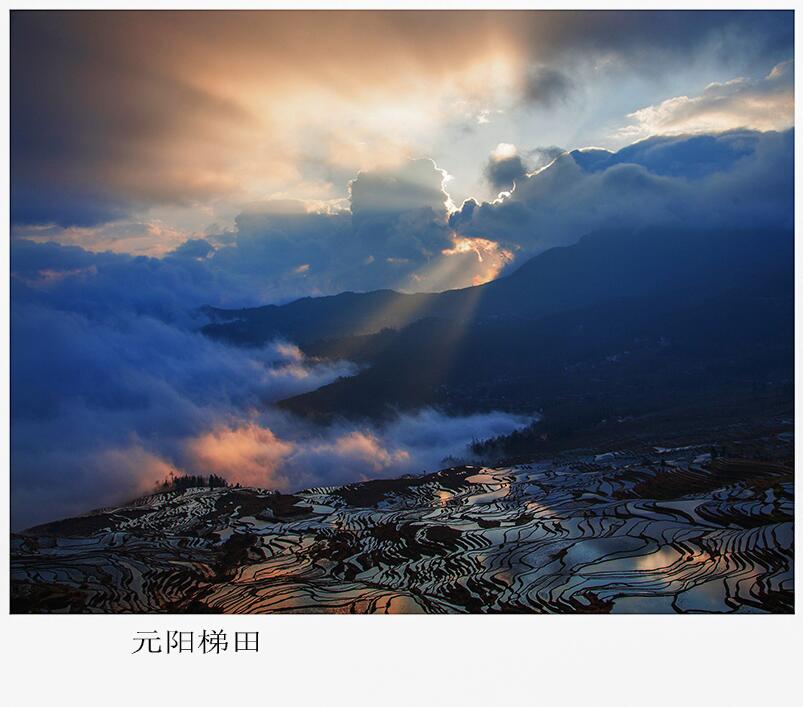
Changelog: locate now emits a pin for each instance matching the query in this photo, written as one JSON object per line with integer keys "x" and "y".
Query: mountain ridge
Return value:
{"x": 600, "y": 266}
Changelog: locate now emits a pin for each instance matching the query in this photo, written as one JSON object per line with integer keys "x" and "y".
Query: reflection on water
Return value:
{"x": 606, "y": 534}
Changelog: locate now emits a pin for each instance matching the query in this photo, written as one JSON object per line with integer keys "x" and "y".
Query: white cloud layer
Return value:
{"x": 763, "y": 104}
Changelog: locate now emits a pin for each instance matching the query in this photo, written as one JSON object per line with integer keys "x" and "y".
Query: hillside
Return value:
{"x": 602, "y": 267}
{"x": 680, "y": 528}
{"x": 619, "y": 324}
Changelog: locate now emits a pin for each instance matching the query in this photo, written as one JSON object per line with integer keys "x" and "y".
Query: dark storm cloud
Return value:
{"x": 99, "y": 128}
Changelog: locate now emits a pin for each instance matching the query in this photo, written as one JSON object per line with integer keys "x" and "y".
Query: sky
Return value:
{"x": 134, "y": 132}
{"x": 163, "y": 161}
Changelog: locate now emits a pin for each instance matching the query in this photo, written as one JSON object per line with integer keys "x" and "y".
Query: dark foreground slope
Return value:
{"x": 674, "y": 528}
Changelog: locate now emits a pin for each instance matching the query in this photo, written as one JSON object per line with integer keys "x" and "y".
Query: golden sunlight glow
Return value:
{"x": 491, "y": 257}
{"x": 249, "y": 454}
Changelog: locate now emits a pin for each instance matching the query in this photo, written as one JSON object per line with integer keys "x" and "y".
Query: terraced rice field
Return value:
{"x": 672, "y": 531}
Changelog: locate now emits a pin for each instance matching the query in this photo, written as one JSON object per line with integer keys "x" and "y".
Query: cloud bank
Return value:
{"x": 106, "y": 407}
{"x": 705, "y": 181}
{"x": 392, "y": 232}
{"x": 763, "y": 104}
{"x": 397, "y": 229}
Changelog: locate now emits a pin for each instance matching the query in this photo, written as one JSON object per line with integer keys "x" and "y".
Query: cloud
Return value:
{"x": 396, "y": 234}
{"x": 104, "y": 410}
{"x": 116, "y": 113}
{"x": 702, "y": 181}
{"x": 491, "y": 259}
{"x": 545, "y": 86}
{"x": 250, "y": 454}
{"x": 91, "y": 384}
{"x": 540, "y": 157}
{"x": 288, "y": 455}
{"x": 410, "y": 444}
{"x": 399, "y": 234}
{"x": 113, "y": 390}
{"x": 504, "y": 167}
{"x": 117, "y": 118}
{"x": 119, "y": 236}
{"x": 417, "y": 184}
{"x": 763, "y": 104}
{"x": 52, "y": 480}
{"x": 197, "y": 248}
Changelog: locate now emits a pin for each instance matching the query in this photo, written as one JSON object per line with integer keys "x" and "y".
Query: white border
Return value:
{"x": 402, "y": 660}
